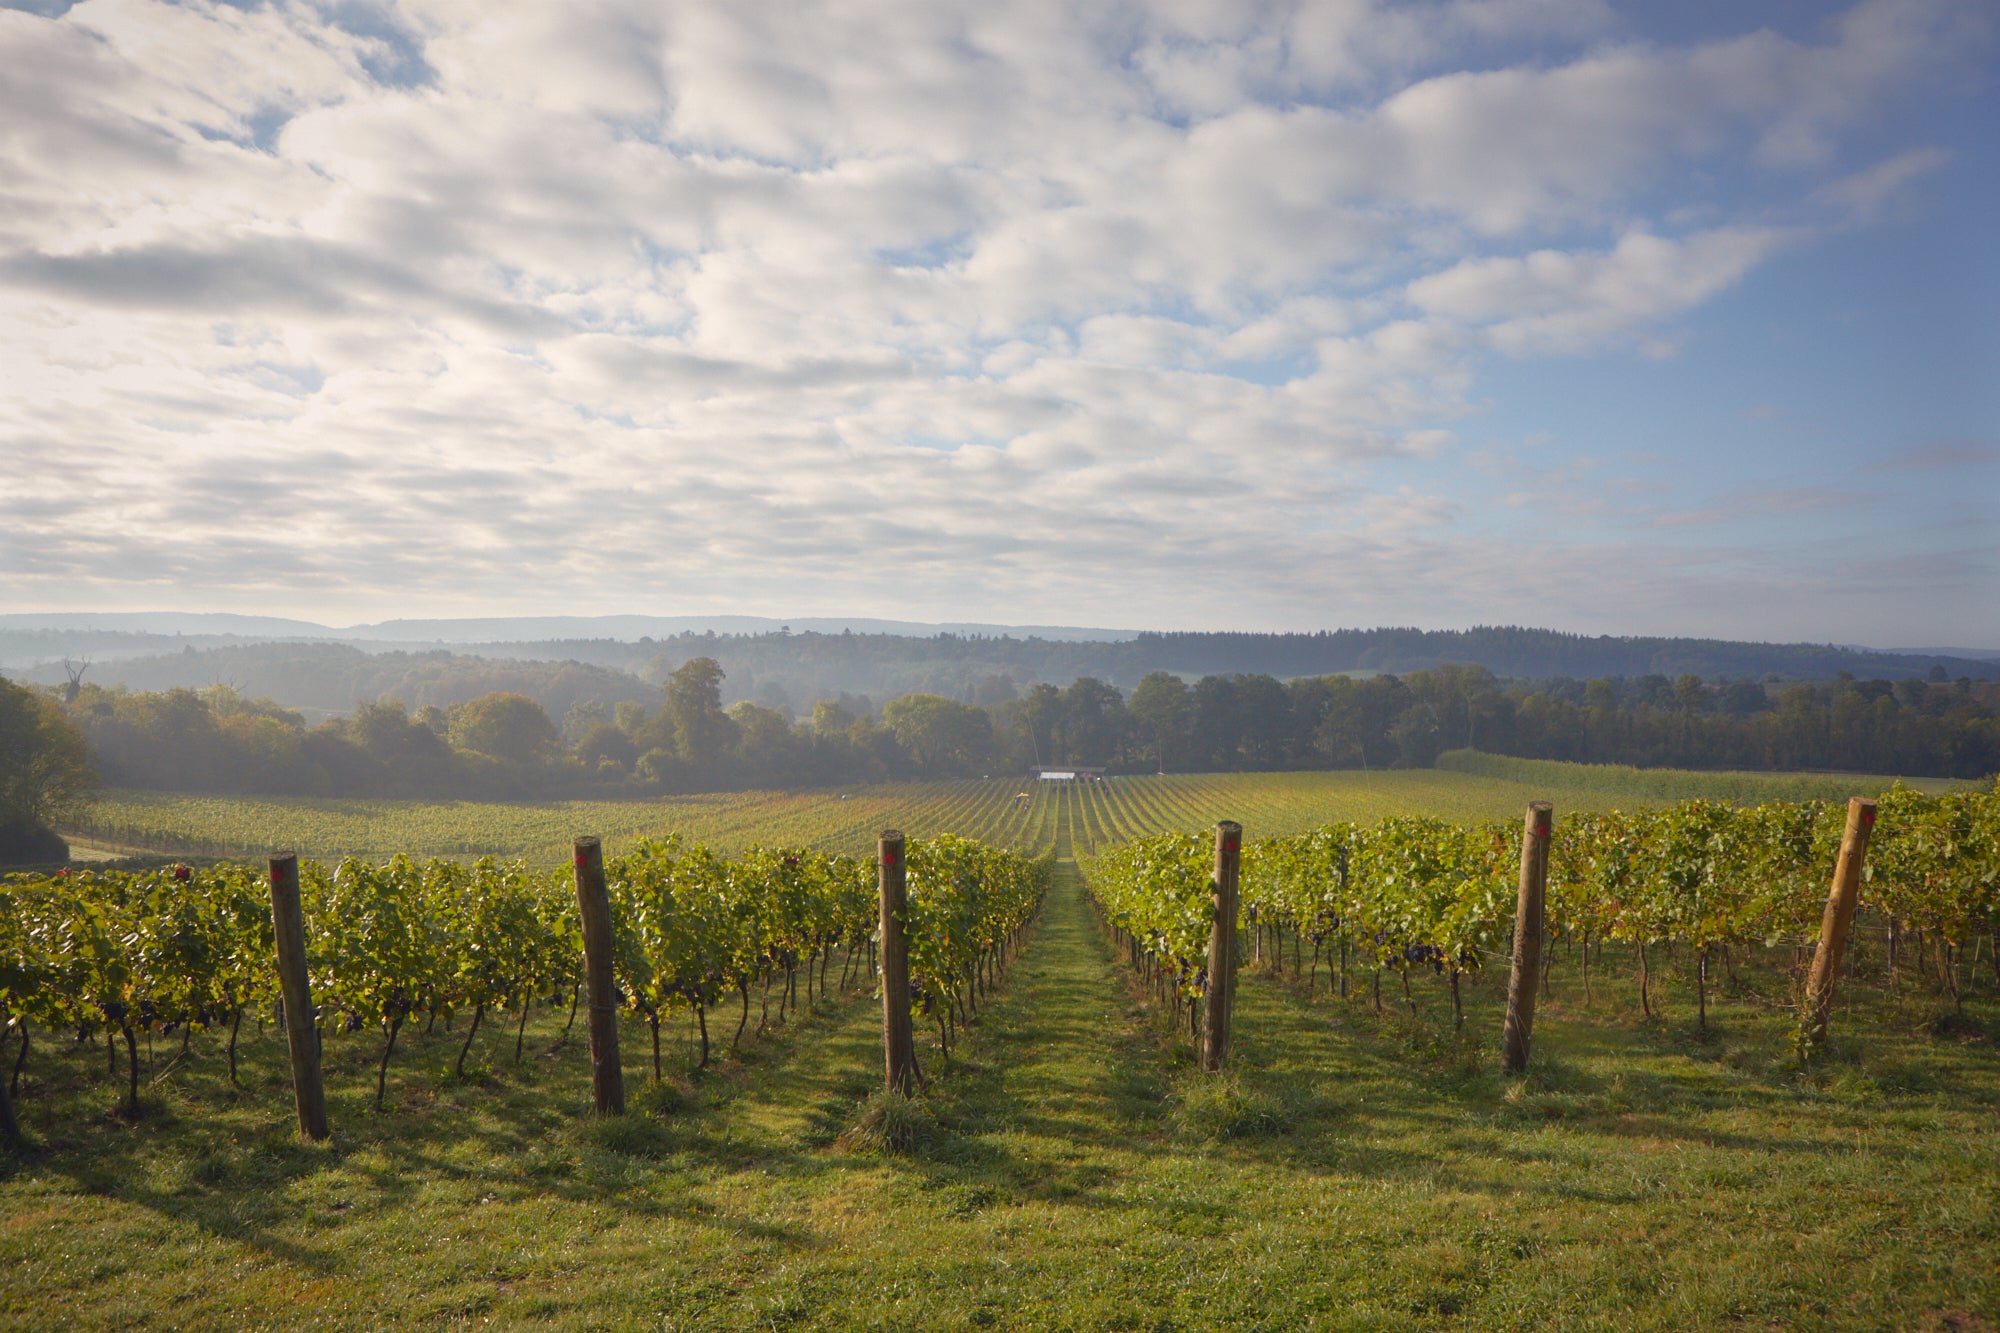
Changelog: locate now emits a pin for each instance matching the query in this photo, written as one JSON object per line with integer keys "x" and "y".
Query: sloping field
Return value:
{"x": 1008, "y": 812}
{"x": 834, "y": 820}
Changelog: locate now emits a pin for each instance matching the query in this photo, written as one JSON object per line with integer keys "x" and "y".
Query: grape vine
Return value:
{"x": 137, "y": 955}
{"x": 1414, "y": 892}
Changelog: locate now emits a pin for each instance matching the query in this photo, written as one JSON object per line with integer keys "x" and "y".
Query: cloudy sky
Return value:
{"x": 1610, "y": 316}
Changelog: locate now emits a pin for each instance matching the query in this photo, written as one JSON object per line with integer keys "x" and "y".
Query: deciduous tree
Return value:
{"x": 44, "y": 771}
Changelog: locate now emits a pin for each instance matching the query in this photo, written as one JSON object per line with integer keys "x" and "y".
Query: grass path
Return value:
{"x": 1365, "y": 1171}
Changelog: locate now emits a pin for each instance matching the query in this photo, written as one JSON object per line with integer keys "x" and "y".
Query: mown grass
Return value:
{"x": 1354, "y": 1170}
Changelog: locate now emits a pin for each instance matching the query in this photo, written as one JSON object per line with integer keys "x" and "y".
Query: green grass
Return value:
{"x": 847, "y": 820}
{"x": 1355, "y": 1170}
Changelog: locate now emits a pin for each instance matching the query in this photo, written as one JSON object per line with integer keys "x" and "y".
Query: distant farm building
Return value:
{"x": 1067, "y": 773}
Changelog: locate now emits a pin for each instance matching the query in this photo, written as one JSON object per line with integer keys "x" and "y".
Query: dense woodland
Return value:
{"x": 505, "y": 744}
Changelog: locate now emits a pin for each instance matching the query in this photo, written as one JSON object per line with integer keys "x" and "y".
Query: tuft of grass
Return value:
{"x": 674, "y": 1095}
{"x": 890, "y": 1123}
{"x": 1953, "y": 1024}
{"x": 1209, "y": 1108}
{"x": 637, "y": 1136}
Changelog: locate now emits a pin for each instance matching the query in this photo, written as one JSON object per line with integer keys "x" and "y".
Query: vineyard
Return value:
{"x": 1675, "y": 1157}
{"x": 830, "y": 821}
{"x": 1013, "y": 813}
{"x": 1419, "y": 894}
{"x": 181, "y": 951}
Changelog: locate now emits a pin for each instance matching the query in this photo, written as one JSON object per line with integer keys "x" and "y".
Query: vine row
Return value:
{"x": 1415, "y": 892}
{"x": 183, "y": 949}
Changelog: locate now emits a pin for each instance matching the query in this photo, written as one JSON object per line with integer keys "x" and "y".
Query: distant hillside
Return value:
{"x": 810, "y": 665}
{"x": 33, "y": 639}
{"x": 325, "y": 679}
{"x": 529, "y": 629}
{"x": 791, "y": 670}
{"x": 1538, "y": 654}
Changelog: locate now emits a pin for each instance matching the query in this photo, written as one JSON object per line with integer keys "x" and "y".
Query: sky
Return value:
{"x": 1611, "y": 317}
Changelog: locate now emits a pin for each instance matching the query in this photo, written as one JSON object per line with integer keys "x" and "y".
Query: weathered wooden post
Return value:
{"x": 1839, "y": 916}
{"x": 1528, "y": 912}
{"x": 10, "y": 1129}
{"x": 593, "y": 902}
{"x": 1222, "y": 946}
{"x": 899, "y": 1051}
{"x": 288, "y": 922}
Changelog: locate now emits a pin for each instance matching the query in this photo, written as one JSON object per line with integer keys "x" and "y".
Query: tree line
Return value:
{"x": 506, "y": 745}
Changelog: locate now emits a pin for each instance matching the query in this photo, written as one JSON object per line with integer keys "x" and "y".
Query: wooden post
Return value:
{"x": 1222, "y": 946}
{"x": 899, "y": 1052}
{"x": 1840, "y": 900}
{"x": 301, "y": 1028}
{"x": 10, "y": 1129}
{"x": 607, "y": 1075}
{"x": 1525, "y": 978}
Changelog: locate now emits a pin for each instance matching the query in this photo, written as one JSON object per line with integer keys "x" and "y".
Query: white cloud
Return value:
{"x": 725, "y": 287}
{"x": 1562, "y": 302}
{"x": 1878, "y": 190}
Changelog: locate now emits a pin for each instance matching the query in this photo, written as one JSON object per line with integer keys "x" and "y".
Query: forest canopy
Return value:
{"x": 504, "y": 744}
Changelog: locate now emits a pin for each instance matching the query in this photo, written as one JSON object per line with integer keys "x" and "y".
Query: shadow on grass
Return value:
{"x": 1596, "y": 1073}
{"x": 227, "y": 1161}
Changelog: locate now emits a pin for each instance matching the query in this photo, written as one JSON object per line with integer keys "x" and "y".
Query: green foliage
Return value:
{"x": 965, "y": 899}
{"x": 1935, "y": 865}
{"x": 505, "y": 726}
{"x": 942, "y": 735}
{"x": 371, "y": 948}
{"x": 44, "y": 773}
{"x": 1158, "y": 891}
{"x": 1416, "y": 889}
{"x": 700, "y": 729}
{"x": 181, "y": 946}
{"x": 508, "y": 928}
